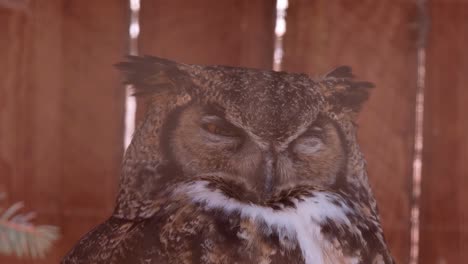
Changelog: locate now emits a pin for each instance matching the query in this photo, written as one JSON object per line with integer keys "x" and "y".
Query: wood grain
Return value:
{"x": 13, "y": 28}
{"x": 444, "y": 201}
{"x": 29, "y": 111}
{"x": 61, "y": 113}
{"x": 209, "y": 31}
{"x": 94, "y": 38}
{"x": 379, "y": 40}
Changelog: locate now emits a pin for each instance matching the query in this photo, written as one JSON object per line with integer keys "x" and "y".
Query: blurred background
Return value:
{"x": 65, "y": 118}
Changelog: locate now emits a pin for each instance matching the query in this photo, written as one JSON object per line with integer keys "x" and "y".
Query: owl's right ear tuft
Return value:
{"x": 151, "y": 75}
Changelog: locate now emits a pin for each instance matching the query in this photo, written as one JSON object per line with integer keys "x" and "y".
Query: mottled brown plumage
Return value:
{"x": 234, "y": 165}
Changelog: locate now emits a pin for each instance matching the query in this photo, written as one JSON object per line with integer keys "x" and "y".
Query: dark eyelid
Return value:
{"x": 316, "y": 129}
{"x": 221, "y": 122}
{"x": 311, "y": 132}
{"x": 215, "y": 110}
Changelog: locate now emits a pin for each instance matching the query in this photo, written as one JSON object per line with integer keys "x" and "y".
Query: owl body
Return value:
{"x": 234, "y": 165}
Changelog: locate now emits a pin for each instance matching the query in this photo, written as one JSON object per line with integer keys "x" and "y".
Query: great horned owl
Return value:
{"x": 234, "y": 165}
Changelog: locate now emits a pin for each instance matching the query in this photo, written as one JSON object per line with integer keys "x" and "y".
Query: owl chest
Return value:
{"x": 253, "y": 233}
{"x": 211, "y": 238}
{"x": 198, "y": 236}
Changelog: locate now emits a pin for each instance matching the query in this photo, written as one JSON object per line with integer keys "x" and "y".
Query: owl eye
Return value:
{"x": 218, "y": 126}
{"x": 310, "y": 142}
{"x": 308, "y": 146}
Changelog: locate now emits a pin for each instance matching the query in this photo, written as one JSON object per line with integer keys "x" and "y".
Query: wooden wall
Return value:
{"x": 61, "y": 110}
{"x": 62, "y": 105}
{"x": 444, "y": 203}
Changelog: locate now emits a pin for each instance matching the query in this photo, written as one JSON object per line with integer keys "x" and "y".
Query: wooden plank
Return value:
{"x": 232, "y": 32}
{"x": 209, "y": 31}
{"x": 42, "y": 182}
{"x": 13, "y": 27}
{"x": 30, "y": 116}
{"x": 94, "y": 37}
{"x": 61, "y": 112}
{"x": 378, "y": 39}
{"x": 444, "y": 201}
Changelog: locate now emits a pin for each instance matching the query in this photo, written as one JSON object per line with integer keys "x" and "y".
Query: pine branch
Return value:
{"x": 21, "y": 237}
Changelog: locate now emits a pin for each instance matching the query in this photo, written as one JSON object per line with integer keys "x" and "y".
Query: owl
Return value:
{"x": 236, "y": 165}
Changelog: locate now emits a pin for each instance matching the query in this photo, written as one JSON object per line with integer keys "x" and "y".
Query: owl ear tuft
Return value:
{"x": 152, "y": 74}
{"x": 346, "y": 94}
{"x": 340, "y": 72}
{"x": 353, "y": 96}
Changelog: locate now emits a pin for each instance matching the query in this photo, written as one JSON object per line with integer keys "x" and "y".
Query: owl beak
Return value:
{"x": 269, "y": 162}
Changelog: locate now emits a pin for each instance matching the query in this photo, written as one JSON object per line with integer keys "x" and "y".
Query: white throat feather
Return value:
{"x": 301, "y": 223}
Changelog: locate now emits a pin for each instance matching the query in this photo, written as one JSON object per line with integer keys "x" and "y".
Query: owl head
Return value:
{"x": 253, "y": 133}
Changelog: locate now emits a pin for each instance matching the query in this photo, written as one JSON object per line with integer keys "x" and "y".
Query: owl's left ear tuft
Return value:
{"x": 353, "y": 95}
{"x": 345, "y": 93}
{"x": 340, "y": 72}
{"x": 152, "y": 74}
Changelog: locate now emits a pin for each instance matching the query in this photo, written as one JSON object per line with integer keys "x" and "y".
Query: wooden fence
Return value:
{"x": 62, "y": 104}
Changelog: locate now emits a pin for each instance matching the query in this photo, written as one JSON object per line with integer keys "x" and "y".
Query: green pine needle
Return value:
{"x": 22, "y": 238}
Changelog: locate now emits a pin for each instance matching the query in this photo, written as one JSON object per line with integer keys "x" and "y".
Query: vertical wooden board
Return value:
{"x": 238, "y": 33}
{"x": 378, "y": 39}
{"x": 29, "y": 119}
{"x": 232, "y": 32}
{"x": 444, "y": 200}
{"x": 94, "y": 37}
{"x": 61, "y": 112}
{"x": 44, "y": 84}
{"x": 41, "y": 142}
{"x": 13, "y": 27}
